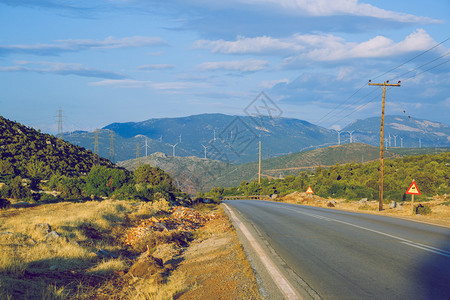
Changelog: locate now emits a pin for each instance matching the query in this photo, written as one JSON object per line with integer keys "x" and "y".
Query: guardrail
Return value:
{"x": 252, "y": 197}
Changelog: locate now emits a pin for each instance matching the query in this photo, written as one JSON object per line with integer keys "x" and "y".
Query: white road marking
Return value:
{"x": 404, "y": 241}
{"x": 280, "y": 280}
{"x": 428, "y": 248}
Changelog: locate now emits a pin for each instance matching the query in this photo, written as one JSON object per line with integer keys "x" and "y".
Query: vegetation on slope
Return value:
{"x": 33, "y": 165}
{"x": 355, "y": 180}
{"x": 32, "y": 154}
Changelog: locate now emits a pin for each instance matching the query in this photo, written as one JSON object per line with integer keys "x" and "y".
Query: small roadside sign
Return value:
{"x": 413, "y": 189}
{"x": 309, "y": 190}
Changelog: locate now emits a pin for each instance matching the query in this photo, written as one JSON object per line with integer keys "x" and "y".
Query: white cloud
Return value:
{"x": 336, "y": 7}
{"x": 45, "y": 67}
{"x": 61, "y": 46}
{"x": 156, "y": 67}
{"x": 249, "y": 65}
{"x": 268, "y": 84}
{"x": 319, "y": 47}
{"x": 258, "y": 45}
{"x": 130, "y": 83}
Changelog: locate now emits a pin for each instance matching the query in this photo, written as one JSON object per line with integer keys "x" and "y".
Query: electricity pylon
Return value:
{"x": 60, "y": 123}
{"x": 96, "y": 148}
{"x": 384, "y": 85}
{"x": 111, "y": 147}
{"x": 138, "y": 157}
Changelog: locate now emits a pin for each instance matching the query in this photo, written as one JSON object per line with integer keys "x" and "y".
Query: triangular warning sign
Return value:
{"x": 413, "y": 189}
{"x": 309, "y": 190}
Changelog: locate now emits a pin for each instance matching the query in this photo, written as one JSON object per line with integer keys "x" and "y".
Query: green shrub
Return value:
{"x": 49, "y": 198}
{"x": 423, "y": 210}
{"x": 4, "y": 204}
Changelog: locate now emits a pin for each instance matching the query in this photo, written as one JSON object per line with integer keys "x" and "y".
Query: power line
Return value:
{"x": 426, "y": 51}
{"x": 427, "y": 70}
{"x": 321, "y": 120}
{"x": 442, "y": 56}
{"x": 345, "y": 101}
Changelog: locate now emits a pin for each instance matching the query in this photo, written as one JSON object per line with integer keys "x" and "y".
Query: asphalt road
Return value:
{"x": 333, "y": 254}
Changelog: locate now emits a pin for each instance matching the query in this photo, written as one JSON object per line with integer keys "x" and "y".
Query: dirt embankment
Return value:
{"x": 122, "y": 250}
{"x": 204, "y": 259}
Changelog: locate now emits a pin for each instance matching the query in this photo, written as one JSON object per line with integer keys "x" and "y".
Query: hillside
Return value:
{"x": 354, "y": 181}
{"x": 30, "y": 153}
{"x": 191, "y": 174}
{"x": 194, "y": 174}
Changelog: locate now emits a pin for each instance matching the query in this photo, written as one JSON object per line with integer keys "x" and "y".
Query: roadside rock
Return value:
{"x": 43, "y": 228}
{"x": 101, "y": 253}
{"x": 146, "y": 266}
{"x": 52, "y": 236}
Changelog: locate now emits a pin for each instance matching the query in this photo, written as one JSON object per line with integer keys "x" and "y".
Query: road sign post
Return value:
{"x": 413, "y": 190}
{"x": 309, "y": 191}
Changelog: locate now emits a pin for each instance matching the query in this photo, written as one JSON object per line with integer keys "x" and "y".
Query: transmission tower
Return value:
{"x": 111, "y": 147}
{"x": 138, "y": 157}
{"x": 96, "y": 148}
{"x": 384, "y": 85}
{"x": 60, "y": 123}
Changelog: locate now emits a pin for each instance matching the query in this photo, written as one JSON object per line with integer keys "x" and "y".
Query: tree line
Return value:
{"x": 354, "y": 181}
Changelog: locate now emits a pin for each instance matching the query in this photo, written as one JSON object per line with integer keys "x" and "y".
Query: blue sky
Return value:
{"x": 110, "y": 61}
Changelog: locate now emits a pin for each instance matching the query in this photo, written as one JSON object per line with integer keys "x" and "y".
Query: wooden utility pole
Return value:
{"x": 259, "y": 168}
{"x": 384, "y": 85}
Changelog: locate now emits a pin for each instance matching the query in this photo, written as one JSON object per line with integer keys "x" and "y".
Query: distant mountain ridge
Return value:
{"x": 398, "y": 131}
{"x": 233, "y": 139}
{"x": 188, "y": 136}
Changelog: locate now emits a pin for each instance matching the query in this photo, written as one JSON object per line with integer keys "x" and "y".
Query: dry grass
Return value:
{"x": 68, "y": 268}
{"x": 31, "y": 267}
{"x": 145, "y": 290}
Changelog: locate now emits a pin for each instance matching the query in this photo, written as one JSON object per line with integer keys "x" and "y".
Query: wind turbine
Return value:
{"x": 205, "y": 148}
{"x": 395, "y": 140}
{"x": 351, "y": 137}
{"x": 339, "y": 136}
{"x": 146, "y": 146}
{"x": 173, "y": 150}
{"x": 401, "y": 142}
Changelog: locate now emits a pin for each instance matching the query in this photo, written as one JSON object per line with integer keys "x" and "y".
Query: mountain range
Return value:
{"x": 234, "y": 139}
